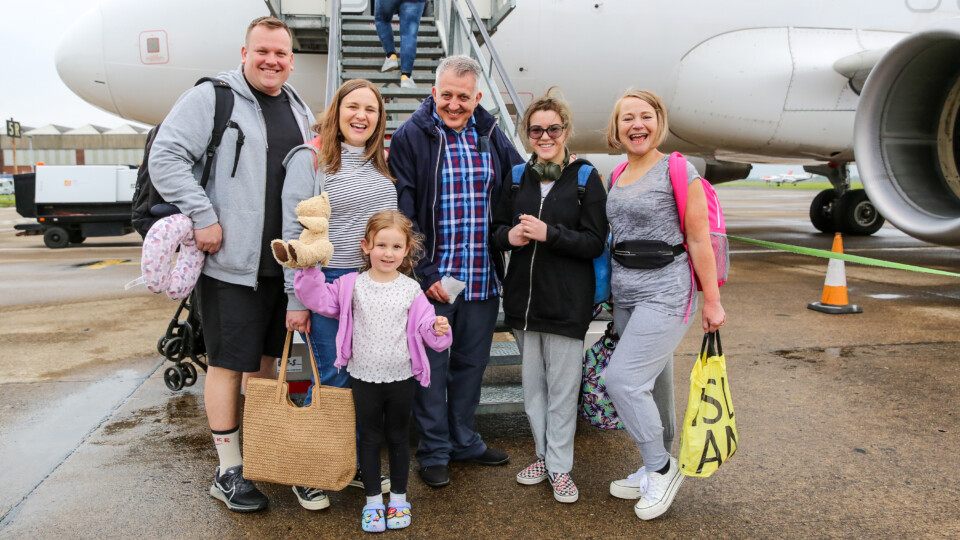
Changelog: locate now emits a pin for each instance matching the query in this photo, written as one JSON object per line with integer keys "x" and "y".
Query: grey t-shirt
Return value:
{"x": 647, "y": 210}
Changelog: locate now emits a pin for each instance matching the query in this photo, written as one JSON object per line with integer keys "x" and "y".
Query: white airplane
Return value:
{"x": 875, "y": 80}
{"x": 790, "y": 178}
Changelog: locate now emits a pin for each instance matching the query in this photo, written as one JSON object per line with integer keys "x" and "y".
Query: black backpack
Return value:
{"x": 148, "y": 205}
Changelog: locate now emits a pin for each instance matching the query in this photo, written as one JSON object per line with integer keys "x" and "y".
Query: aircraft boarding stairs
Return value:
{"x": 354, "y": 51}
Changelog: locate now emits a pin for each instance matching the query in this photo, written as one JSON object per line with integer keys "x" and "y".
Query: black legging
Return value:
{"x": 383, "y": 411}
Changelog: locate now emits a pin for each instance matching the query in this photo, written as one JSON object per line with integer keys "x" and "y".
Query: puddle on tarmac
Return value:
{"x": 814, "y": 355}
{"x": 886, "y": 296}
{"x": 181, "y": 406}
{"x": 38, "y": 444}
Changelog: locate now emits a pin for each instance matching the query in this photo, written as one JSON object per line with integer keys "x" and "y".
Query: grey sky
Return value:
{"x": 32, "y": 92}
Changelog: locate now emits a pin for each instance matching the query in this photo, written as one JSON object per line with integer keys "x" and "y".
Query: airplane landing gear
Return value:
{"x": 858, "y": 215}
{"x": 822, "y": 211}
{"x": 842, "y": 209}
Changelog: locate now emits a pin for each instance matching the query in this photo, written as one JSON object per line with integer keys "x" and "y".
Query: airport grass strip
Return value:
{"x": 841, "y": 256}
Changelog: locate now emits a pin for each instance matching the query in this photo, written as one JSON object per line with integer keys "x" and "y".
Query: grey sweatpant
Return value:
{"x": 639, "y": 378}
{"x": 552, "y": 370}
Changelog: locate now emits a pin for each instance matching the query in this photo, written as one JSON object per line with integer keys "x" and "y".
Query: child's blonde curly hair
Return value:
{"x": 392, "y": 219}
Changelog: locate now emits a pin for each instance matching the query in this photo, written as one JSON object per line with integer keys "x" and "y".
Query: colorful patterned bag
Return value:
{"x": 595, "y": 405}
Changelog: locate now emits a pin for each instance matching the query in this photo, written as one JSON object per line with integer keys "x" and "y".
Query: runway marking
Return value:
{"x": 45, "y": 249}
{"x": 97, "y": 265}
{"x": 861, "y": 250}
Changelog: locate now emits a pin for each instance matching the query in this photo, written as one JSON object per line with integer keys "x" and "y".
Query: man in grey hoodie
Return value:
{"x": 241, "y": 298}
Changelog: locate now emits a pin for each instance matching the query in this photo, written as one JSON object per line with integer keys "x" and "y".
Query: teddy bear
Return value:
{"x": 314, "y": 244}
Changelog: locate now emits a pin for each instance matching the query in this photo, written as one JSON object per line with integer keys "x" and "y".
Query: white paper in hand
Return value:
{"x": 452, "y": 287}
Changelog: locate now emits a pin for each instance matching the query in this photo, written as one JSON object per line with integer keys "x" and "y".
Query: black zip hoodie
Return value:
{"x": 549, "y": 285}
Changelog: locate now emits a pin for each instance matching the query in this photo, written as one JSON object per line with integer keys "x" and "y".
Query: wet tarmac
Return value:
{"x": 848, "y": 424}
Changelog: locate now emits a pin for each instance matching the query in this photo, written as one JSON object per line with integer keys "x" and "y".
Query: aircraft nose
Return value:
{"x": 79, "y": 60}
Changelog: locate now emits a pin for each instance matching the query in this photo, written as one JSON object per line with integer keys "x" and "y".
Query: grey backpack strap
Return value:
{"x": 319, "y": 182}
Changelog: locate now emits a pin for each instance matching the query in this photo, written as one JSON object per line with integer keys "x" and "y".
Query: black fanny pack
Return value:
{"x": 645, "y": 254}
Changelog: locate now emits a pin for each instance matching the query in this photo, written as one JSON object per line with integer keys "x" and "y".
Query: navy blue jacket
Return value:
{"x": 416, "y": 161}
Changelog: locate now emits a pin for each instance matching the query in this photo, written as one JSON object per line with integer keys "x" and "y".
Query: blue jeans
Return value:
{"x": 410, "y": 13}
{"x": 323, "y": 337}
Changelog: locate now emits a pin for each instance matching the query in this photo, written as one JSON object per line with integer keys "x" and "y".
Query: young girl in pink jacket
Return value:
{"x": 385, "y": 323}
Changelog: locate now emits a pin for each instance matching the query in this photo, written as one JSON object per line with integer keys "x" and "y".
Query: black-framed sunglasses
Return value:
{"x": 554, "y": 131}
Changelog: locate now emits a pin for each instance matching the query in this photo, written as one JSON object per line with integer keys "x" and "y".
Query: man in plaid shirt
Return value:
{"x": 450, "y": 159}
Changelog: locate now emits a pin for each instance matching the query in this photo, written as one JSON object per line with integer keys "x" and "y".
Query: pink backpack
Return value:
{"x": 718, "y": 227}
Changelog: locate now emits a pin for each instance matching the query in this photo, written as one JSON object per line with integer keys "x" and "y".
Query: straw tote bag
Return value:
{"x": 313, "y": 446}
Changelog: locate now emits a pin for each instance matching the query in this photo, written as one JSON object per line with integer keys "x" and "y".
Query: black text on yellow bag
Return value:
{"x": 313, "y": 446}
{"x": 709, "y": 435}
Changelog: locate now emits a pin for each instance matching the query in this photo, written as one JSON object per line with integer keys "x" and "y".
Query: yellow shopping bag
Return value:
{"x": 709, "y": 435}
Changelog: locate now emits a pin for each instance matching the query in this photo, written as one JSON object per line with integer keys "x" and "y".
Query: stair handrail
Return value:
{"x": 275, "y": 7}
{"x": 333, "y": 53}
{"x": 453, "y": 18}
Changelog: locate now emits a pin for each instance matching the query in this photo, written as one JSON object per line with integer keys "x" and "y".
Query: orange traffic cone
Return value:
{"x": 834, "y": 299}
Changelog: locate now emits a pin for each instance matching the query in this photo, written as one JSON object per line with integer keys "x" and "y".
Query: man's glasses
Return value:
{"x": 554, "y": 131}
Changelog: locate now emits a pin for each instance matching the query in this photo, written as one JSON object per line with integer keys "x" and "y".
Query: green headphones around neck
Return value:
{"x": 549, "y": 171}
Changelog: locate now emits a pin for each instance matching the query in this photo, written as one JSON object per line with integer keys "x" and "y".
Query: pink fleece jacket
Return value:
{"x": 335, "y": 300}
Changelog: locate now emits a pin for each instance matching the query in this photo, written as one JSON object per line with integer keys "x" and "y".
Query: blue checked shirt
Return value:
{"x": 464, "y": 225}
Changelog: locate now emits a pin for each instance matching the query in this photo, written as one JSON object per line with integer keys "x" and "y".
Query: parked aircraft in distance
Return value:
{"x": 790, "y": 178}
{"x": 873, "y": 80}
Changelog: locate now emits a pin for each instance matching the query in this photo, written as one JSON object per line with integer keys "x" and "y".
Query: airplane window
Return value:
{"x": 153, "y": 45}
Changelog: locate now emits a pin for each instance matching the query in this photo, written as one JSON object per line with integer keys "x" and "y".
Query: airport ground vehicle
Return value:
{"x": 74, "y": 202}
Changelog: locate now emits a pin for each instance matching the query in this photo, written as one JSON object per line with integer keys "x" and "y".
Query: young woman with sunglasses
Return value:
{"x": 653, "y": 293}
{"x": 553, "y": 233}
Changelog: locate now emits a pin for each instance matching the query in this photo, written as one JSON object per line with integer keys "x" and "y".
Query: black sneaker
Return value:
{"x": 435, "y": 475}
{"x": 311, "y": 498}
{"x": 238, "y": 493}
{"x": 491, "y": 457}
{"x": 357, "y": 482}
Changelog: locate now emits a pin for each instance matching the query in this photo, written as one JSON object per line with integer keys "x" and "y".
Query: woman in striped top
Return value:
{"x": 351, "y": 167}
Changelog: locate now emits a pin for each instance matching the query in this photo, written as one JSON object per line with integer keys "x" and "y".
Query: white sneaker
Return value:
{"x": 659, "y": 493}
{"x": 390, "y": 63}
{"x": 407, "y": 83}
{"x": 630, "y": 487}
{"x": 357, "y": 482}
{"x": 311, "y": 498}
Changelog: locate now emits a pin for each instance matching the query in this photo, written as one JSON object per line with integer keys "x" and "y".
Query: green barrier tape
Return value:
{"x": 841, "y": 256}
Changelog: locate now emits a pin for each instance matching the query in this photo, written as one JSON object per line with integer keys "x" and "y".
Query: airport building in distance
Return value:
{"x": 85, "y": 145}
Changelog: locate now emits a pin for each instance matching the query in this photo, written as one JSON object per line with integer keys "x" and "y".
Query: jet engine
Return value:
{"x": 907, "y": 134}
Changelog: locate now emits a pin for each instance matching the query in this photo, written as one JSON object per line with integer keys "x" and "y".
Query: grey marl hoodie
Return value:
{"x": 236, "y": 202}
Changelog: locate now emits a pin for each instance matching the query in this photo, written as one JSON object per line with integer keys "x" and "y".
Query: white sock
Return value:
{"x": 375, "y": 499}
{"x": 398, "y": 497}
{"x": 228, "y": 448}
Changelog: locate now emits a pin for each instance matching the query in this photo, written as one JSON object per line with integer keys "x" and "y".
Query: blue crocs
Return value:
{"x": 372, "y": 518}
{"x": 398, "y": 515}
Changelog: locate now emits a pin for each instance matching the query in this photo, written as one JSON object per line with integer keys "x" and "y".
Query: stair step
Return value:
{"x": 401, "y": 108}
{"x": 501, "y": 326}
{"x": 405, "y": 93}
{"x": 375, "y": 63}
{"x": 365, "y": 29}
{"x": 423, "y": 78}
{"x": 374, "y": 41}
{"x": 500, "y": 399}
{"x": 349, "y": 19}
{"x": 377, "y": 52}
{"x": 504, "y": 353}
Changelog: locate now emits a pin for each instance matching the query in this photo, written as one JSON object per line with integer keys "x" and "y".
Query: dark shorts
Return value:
{"x": 241, "y": 324}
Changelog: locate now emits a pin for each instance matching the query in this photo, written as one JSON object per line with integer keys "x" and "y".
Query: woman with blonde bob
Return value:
{"x": 553, "y": 230}
{"x": 652, "y": 292}
{"x": 347, "y": 161}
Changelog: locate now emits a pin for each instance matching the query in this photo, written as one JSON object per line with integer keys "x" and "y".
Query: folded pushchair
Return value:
{"x": 183, "y": 345}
